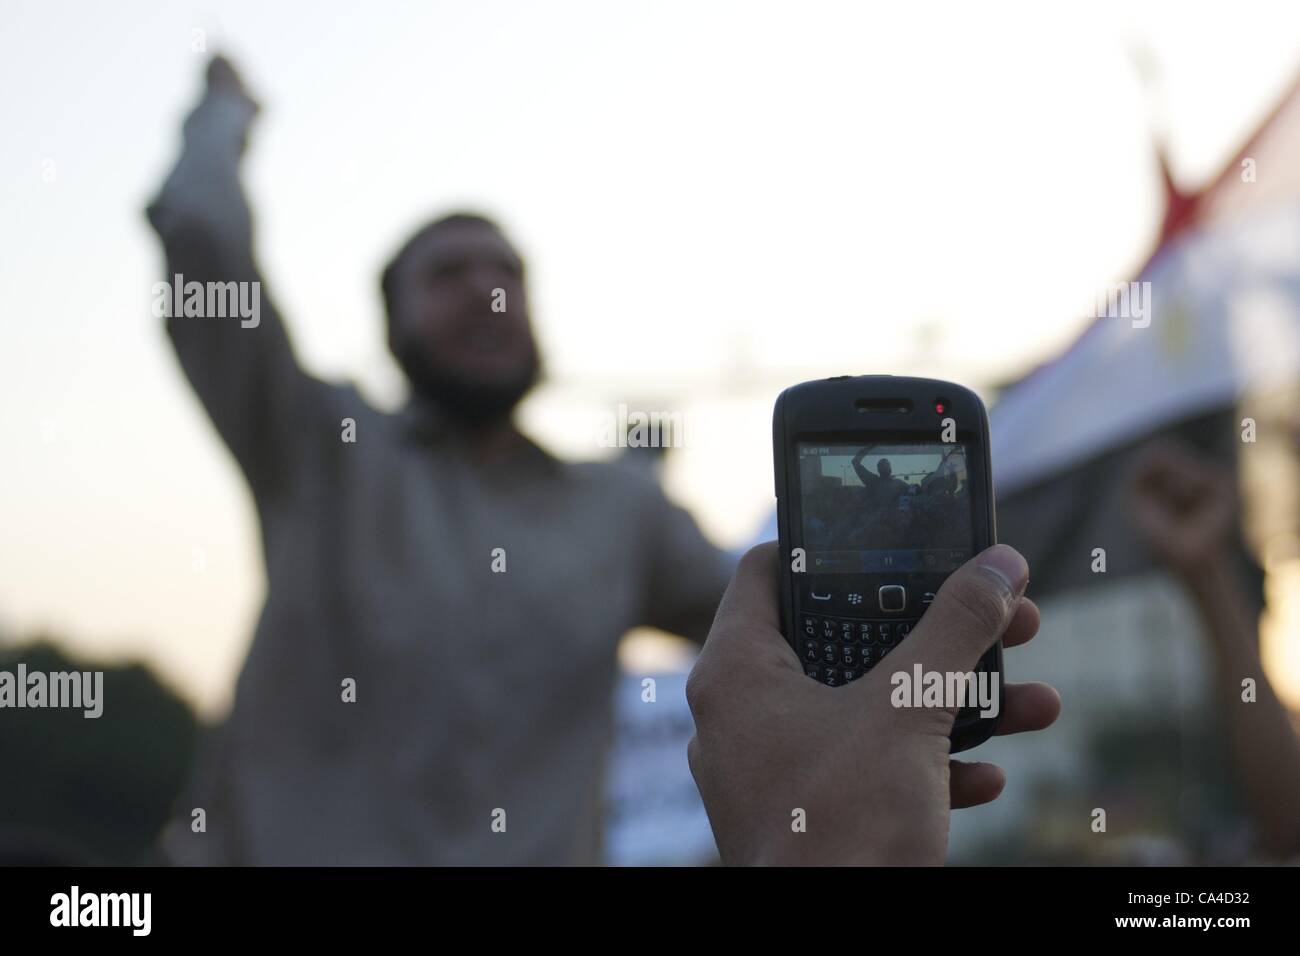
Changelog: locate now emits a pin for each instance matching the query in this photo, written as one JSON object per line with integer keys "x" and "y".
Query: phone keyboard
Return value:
{"x": 837, "y": 650}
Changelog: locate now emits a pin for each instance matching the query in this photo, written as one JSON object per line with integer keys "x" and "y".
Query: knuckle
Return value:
{"x": 698, "y": 691}
{"x": 981, "y": 600}
{"x": 932, "y": 721}
{"x": 759, "y": 556}
{"x": 757, "y": 562}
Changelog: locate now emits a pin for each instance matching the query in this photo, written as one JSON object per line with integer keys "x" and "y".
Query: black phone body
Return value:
{"x": 885, "y": 483}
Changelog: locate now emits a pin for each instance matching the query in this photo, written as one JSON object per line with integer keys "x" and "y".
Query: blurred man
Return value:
{"x": 884, "y": 489}
{"x": 430, "y": 679}
{"x": 943, "y": 480}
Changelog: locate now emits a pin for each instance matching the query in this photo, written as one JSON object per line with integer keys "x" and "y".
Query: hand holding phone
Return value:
{"x": 884, "y": 488}
{"x": 794, "y": 772}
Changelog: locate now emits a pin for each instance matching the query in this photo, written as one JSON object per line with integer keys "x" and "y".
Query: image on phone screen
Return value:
{"x": 885, "y": 508}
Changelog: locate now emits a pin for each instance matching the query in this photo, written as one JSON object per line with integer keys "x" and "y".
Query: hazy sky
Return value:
{"x": 716, "y": 200}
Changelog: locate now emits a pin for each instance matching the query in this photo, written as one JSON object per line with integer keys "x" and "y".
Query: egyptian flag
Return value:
{"x": 1206, "y": 335}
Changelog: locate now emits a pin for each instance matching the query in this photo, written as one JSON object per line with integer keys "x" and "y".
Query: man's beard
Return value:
{"x": 472, "y": 403}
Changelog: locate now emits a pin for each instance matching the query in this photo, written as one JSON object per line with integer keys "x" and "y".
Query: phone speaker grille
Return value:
{"x": 883, "y": 406}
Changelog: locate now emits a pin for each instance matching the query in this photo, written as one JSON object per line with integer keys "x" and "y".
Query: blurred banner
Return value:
{"x": 654, "y": 815}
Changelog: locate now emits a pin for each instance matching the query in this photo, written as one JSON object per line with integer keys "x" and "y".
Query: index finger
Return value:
{"x": 748, "y": 617}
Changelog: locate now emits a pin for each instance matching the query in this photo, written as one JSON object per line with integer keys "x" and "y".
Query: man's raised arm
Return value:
{"x": 864, "y": 474}
{"x": 227, "y": 334}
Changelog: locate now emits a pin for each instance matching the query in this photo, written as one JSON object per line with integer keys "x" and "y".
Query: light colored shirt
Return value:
{"x": 483, "y": 698}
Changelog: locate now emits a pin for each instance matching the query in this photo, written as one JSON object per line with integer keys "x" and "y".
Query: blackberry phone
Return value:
{"x": 884, "y": 487}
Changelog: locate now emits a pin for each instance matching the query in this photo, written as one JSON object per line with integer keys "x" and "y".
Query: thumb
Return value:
{"x": 969, "y": 614}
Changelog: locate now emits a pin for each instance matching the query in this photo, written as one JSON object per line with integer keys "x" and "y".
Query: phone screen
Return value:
{"x": 885, "y": 508}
